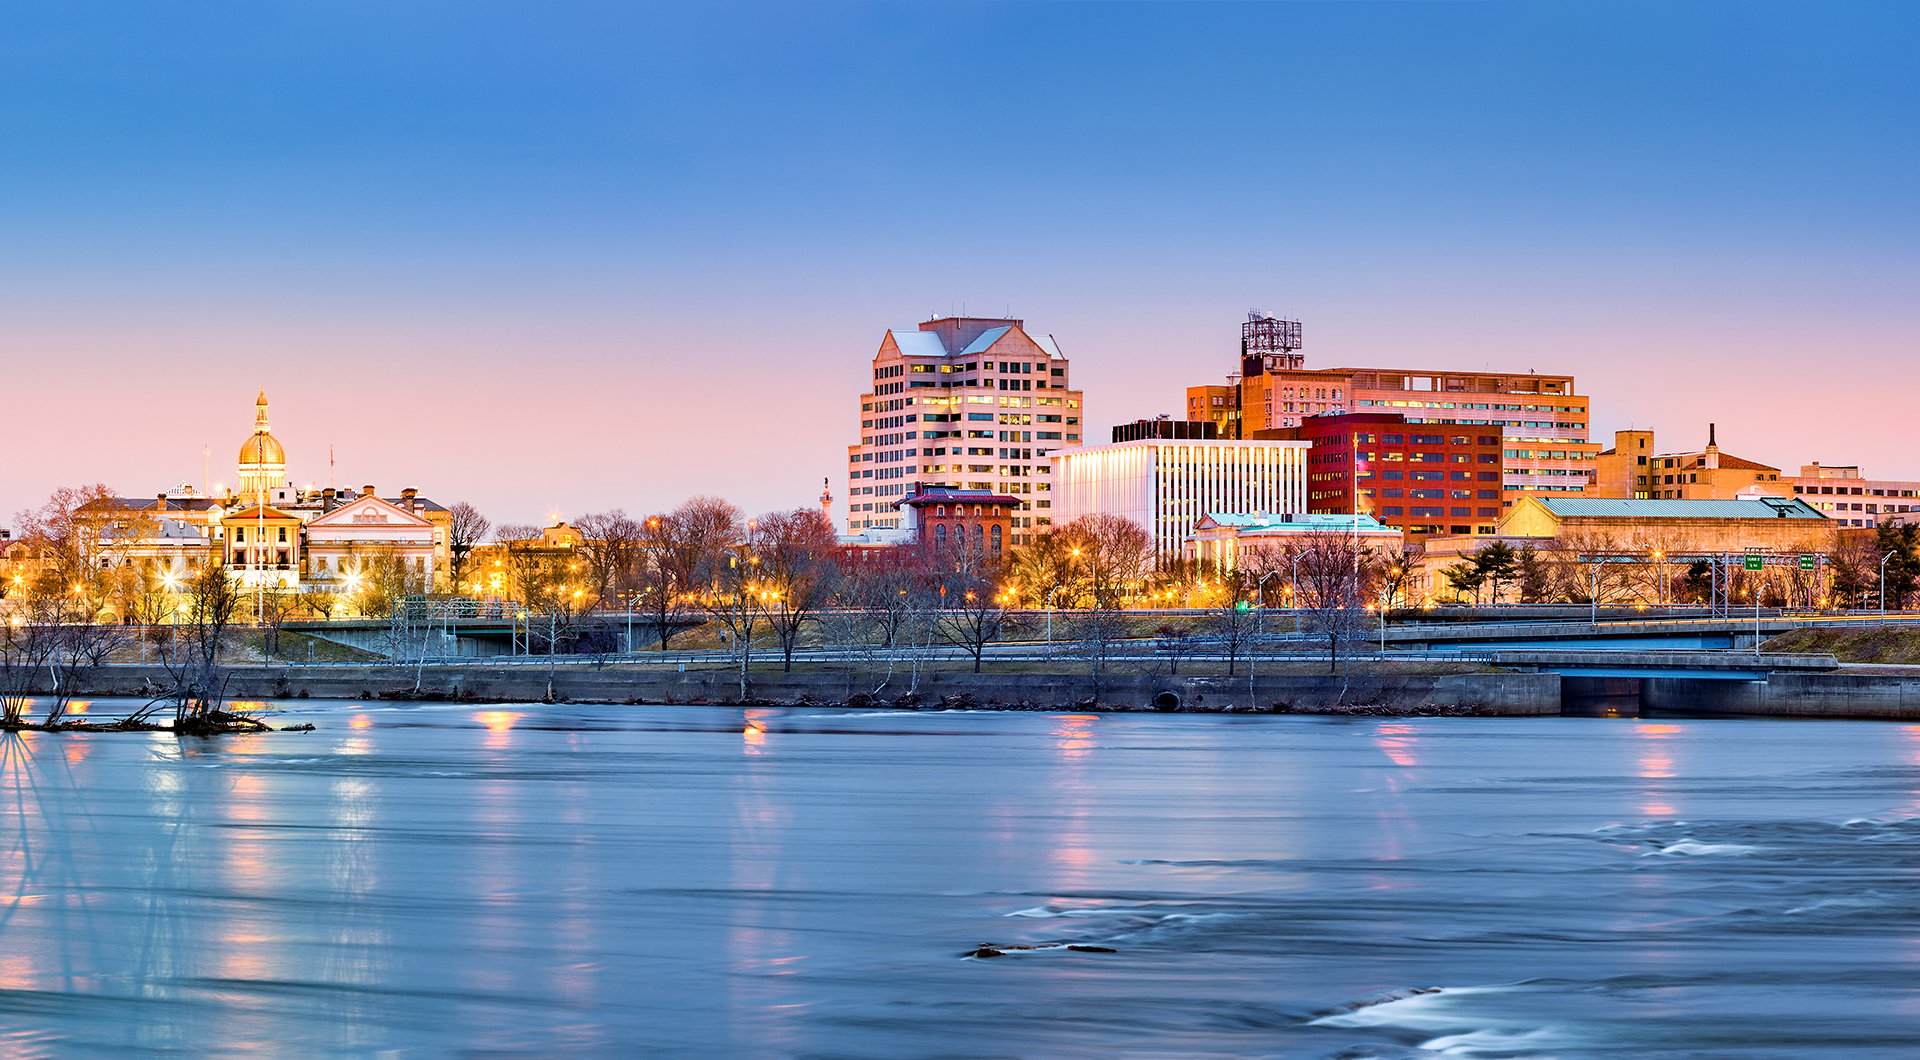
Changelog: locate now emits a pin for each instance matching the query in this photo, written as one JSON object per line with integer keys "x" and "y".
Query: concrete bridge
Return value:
{"x": 1697, "y": 632}
{"x": 479, "y": 638}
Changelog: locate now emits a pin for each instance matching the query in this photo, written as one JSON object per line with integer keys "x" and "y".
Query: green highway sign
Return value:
{"x": 1756, "y": 562}
{"x": 1806, "y": 562}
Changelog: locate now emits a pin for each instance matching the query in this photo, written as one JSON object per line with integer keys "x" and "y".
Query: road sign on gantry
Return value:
{"x": 1756, "y": 562}
{"x": 1806, "y": 562}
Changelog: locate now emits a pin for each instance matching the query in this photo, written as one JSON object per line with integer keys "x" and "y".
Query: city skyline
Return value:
{"x": 476, "y": 252}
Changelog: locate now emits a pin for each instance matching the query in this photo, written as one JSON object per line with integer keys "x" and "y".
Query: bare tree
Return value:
{"x": 277, "y": 607}
{"x": 971, "y": 611}
{"x": 695, "y": 540}
{"x": 194, "y": 661}
{"x": 882, "y": 607}
{"x": 1395, "y": 569}
{"x": 1112, "y": 553}
{"x": 143, "y": 593}
{"x": 466, "y": 527}
{"x": 734, "y": 601}
{"x": 1043, "y": 572}
{"x": 70, "y": 530}
{"x": 612, "y": 546}
{"x": 320, "y": 602}
{"x": 1231, "y": 627}
{"x": 531, "y": 573}
{"x": 1332, "y": 592}
{"x": 1852, "y": 574}
{"x": 1096, "y": 631}
{"x": 799, "y": 569}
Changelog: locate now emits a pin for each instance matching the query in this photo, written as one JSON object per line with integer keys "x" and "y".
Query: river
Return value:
{"x": 704, "y": 881}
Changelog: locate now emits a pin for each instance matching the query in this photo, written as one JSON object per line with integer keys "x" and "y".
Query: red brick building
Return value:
{"x": 1421, "y": 478}
{"x": 941, "y": 518}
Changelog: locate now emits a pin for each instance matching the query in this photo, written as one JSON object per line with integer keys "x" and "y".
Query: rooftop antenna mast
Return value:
{"x": 1269, "y": 343}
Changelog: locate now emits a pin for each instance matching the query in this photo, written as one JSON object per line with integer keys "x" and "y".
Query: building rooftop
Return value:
{"x": 1728, "y": 461}
{"x": 950, "y": 494}
{"x": 1603, "y": 507}
{"x": 1293, "y": 521}
{"x": 986, "y": 339}
{"x": 918, "y": 343}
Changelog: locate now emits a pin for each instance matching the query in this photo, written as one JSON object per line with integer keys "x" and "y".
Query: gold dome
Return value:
{"x": 262, "y": 448}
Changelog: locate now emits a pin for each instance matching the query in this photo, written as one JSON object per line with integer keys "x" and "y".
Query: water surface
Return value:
{"x": 434, "y": 879}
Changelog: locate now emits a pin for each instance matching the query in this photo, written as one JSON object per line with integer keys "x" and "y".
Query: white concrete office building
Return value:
{"x": 1166, "y": 485}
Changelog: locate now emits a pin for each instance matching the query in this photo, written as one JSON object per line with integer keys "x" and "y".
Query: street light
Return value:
{"x": 1260, "y": 593}
{"x": 1883, "y": 584}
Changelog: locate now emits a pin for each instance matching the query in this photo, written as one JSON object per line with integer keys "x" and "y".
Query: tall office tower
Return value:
{"x": 965, "y": 402}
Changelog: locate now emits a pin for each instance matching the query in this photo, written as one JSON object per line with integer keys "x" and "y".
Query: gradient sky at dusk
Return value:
{"x": 566, "y": 257}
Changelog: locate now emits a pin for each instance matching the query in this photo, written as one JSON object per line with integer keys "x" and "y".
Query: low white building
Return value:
{"x": 1167, "y": 485}
{"x": 1220, "y": 538}
{"x": 339, "y": 541}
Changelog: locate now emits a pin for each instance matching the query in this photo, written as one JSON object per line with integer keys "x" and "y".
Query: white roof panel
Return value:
{"x": 987, "y": 338}
{"x": 918, "y": 343}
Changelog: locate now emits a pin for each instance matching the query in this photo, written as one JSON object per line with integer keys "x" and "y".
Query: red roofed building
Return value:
{"x": 943, "y": 518}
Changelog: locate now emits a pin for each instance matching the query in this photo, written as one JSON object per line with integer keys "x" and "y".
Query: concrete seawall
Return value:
{"x": 1792, "y": 695}
{"x": 1509, "y": 694}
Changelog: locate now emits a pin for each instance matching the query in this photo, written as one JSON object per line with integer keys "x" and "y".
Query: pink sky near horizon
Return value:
{"x": 641, "y": 415}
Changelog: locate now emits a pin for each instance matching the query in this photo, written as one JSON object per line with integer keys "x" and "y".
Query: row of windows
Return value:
{"x": 1856, "y": 491}
{"x": 1430, "y": 512}
{"x": 1425, "y": 439}
{"x": 1576, "y": 409}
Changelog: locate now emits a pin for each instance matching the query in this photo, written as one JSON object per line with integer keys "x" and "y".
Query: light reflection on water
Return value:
{"x": 547, "y": 880}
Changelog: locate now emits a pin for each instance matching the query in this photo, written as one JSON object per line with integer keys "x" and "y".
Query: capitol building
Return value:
{"x": 271, "y": 534}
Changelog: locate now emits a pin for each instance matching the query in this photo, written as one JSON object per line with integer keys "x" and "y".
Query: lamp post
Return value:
{"x": 1293, "y": 590}
{"x": 1260, "y": 593}
{"x": 1595, "y": 620}
{"x": 1883, "y": 585}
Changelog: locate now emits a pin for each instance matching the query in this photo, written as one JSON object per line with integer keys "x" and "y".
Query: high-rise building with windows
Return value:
{"x": 1541, "y": 419}
{"x": 970, "y": 403}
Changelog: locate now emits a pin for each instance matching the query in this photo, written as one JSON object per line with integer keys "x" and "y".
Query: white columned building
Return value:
{"x": 1167, "y": 485}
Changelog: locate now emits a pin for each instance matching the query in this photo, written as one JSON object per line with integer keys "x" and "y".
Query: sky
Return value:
{"x": 556, "y": 258}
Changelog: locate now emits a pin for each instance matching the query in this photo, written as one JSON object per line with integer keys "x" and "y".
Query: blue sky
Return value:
{"x": 565, "y": 257}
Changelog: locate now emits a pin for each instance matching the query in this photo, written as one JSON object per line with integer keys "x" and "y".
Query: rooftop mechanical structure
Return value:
{"x": 1269, "y": 344}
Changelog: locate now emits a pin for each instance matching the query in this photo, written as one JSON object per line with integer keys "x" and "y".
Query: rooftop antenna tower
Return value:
{"x": 1269, "y": 343}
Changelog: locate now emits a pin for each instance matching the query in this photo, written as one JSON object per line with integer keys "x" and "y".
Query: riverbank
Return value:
{"x": 1478, "y": 693}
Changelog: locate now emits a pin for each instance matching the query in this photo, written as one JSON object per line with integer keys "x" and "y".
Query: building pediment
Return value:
{"x": 369, "y": 511}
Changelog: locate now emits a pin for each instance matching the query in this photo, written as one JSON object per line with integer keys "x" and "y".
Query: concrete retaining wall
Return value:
{"x": 1810, "y": 695}
{"x": 1490, "y": 693}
